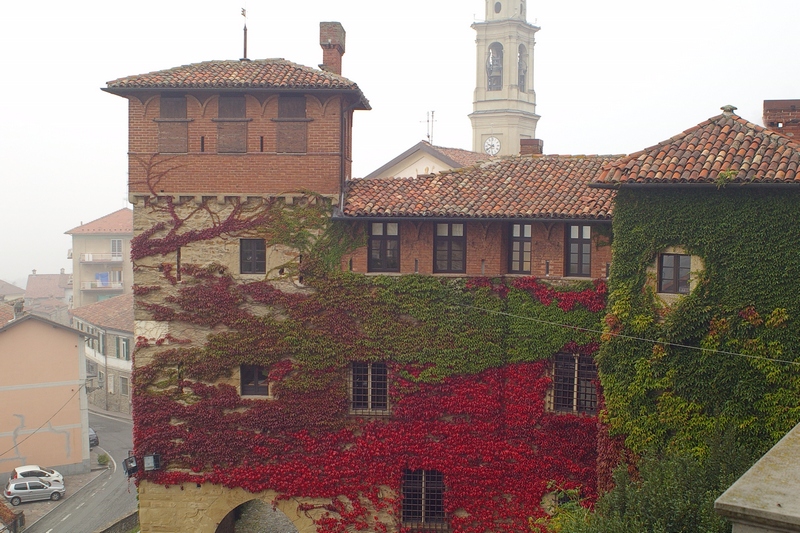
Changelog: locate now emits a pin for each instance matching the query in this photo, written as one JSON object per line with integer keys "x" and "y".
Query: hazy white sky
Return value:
{"x": 610, "y": 77}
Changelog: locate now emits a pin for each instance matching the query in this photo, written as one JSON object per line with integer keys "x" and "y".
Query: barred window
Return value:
{"x": 574, "y": 389}
{"x": 423, "y": 500}
{"x": 369, "y": 388}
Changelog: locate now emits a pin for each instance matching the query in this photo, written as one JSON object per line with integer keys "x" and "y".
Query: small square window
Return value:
{"x": 252, "y": 256}
{"x": 674, "y": 273}
{"x": 254, "y": 380}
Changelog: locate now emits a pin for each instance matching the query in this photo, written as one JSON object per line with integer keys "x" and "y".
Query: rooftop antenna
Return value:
{"x": 244, "y": 14}
{"x": 430, "y": 121}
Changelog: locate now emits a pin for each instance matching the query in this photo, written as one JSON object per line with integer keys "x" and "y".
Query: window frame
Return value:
{"x": 173, "y": 125}
{"x": 258, "y": 387}
{"x": 522, "y": 241}
{"x": 231, "y": 124}
{"x": 383, "y": 242}
{"x": 422, "y": 500}
{"x": 678, "y": 279}
{"x": 257, "y": 264}
{"x": 583, "y": 250}
{"x": 372, "y": 396}
{"x": 574, "y": 388}
{"x": 449, "y": 240}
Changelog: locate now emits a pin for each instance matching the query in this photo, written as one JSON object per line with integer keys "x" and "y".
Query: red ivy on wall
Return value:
{"x": 487, "y": 430}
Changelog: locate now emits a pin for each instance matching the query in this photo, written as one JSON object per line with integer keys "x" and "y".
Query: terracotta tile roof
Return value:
{"x": 234, "y": 74}
{"x": 47, "y": 285}
{"x": 6, "y": 314}
{"x": 114, "y": 313}
{"x": 725, "y": 143}
{"x": 464, "y": 158}
{"x": 7, "y": 289}
{"x": 544, "y": 187}
{"x": 118, "y": 222}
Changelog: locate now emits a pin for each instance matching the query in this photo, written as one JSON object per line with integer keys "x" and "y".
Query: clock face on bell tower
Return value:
{"x": 491, "y": 146}
{"x": 504, "y": 102}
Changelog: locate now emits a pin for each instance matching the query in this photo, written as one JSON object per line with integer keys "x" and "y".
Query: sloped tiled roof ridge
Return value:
{"x": 463, "y": 157}
{"x": 257, "y": 73}
{"x": 745, "y": 152}
{"x": 112, "y": 313}
{"x": 117, "y": 222}
{"x": 539, "y": 187}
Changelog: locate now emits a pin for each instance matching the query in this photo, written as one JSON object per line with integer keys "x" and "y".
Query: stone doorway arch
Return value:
{"x": 256, "y": 516}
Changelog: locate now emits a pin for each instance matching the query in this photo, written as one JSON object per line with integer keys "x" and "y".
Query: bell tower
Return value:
{"x": 504, "y": 106}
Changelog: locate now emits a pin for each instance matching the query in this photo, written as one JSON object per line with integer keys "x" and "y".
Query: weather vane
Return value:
{"x": 244, "y": 14}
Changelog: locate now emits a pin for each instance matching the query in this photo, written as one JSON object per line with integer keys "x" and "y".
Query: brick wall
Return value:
{"x": 783, "y": 116}
{"x": 261, "y": 170}
{"x": 487, "y": 252}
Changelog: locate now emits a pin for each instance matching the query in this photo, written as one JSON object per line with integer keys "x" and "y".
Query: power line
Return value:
{"x": 631, "y": 337}
{"x": 45, "y": 422}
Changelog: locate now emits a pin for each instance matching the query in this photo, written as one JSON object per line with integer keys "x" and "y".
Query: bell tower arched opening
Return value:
{"x": 504, "y": 103}
{"x": 494, "y": 67}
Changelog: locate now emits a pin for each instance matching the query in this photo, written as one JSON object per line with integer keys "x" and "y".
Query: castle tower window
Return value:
{"x": 292, "y": 130}
{"x": 173, "y": 126}
{"x": 231, "y": 125}
{"x": 494, "y": 67}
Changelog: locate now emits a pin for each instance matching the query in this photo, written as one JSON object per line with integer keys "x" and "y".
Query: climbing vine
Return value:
{"x": 743, "y": 311}
{"x": 468, "y": 373}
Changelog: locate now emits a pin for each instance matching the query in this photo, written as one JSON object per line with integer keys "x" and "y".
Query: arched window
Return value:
{"x": 522, "y": 67}
{"x": 494, "y": 67}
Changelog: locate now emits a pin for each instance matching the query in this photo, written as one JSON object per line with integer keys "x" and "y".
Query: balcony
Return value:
{"x": 101, "y": 258}
{"x": 101, "y": 285}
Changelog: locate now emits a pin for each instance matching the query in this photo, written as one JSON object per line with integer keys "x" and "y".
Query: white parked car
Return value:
{"x": 46, "y": 474}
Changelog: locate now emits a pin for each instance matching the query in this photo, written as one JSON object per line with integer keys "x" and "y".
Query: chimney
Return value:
{"x": 34, "y": 271}
{"x": 331, "y": 39}
{"x": 531, "y": 146}
{"x": 62, "y": 271}
{"x": 783, "y": 116}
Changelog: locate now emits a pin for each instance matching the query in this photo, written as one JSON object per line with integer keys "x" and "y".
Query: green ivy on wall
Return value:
{"x": 743, "y": 310}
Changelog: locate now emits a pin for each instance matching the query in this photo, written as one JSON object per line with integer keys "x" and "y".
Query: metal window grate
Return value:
{"x": 574, "y": 388}
{"x": 369, "y": 388}
{"x": 423, "y": 500}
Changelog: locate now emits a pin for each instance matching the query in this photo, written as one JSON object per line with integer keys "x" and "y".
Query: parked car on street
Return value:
{"x": 94, "y": 440}
{"x": 46, "y": 474}
{"x": 28, "y": 489}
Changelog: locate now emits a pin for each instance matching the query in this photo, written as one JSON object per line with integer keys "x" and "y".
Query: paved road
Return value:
{"x": 105, "y": 499}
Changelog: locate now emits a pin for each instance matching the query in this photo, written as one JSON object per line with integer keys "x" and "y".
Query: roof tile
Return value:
{"x": 725, "y": 143}
{"x": 551, "y": 186}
